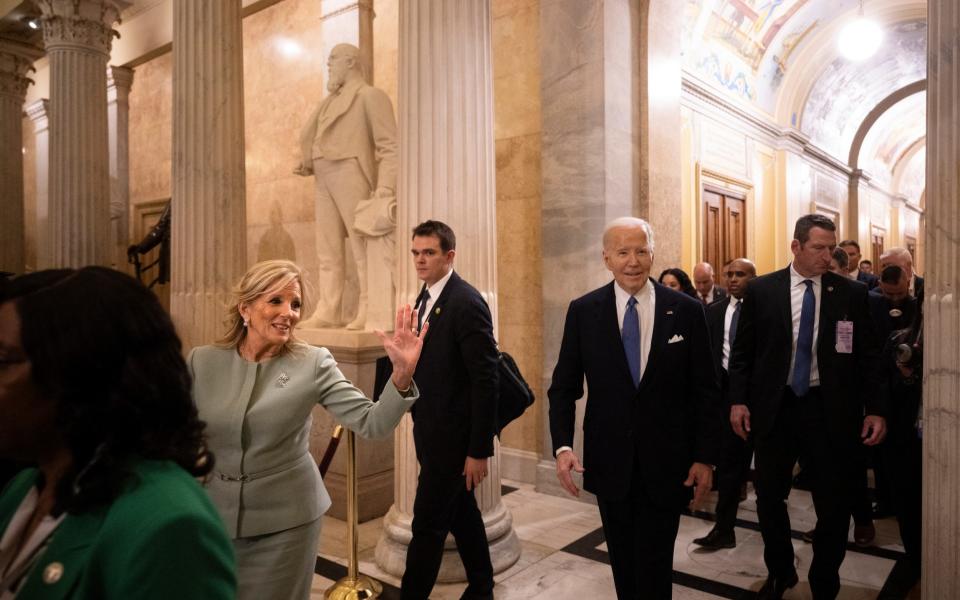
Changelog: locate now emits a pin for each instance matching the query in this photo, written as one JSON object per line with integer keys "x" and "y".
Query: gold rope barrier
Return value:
{"x": 354, "y": 586}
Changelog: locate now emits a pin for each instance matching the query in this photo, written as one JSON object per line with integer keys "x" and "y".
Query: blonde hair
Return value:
{"x": 262, "y": 278}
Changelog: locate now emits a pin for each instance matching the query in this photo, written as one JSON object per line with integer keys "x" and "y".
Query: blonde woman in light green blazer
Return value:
{"x": 255, "y": 389}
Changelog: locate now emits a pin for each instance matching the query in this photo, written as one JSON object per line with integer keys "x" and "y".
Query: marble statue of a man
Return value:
{"x": 349, "y": 145}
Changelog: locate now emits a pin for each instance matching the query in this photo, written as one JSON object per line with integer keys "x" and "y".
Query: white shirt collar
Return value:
{"x": 623, "y": 296}
{"x": 437, "y": 288}
{"x": 796, "y": 278}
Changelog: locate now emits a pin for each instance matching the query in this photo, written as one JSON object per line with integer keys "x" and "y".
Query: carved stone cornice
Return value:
{"x": 85, "y": 24}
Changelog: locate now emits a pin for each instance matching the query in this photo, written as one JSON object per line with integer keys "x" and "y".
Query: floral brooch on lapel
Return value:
{"x": 283, "y": 379}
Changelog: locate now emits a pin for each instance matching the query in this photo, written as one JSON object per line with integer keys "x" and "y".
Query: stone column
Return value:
{"x": 119, "y": 81}
{"x": 611, "y": 117}
{"x": 16, "y": 59}
{"x": 349, "y": 22}
{"x": 446, "y": 173}
{"x": 209, "y": 227}
{"x": 941, "y": 373}
{"x": 77, "y": 35}
{"x": 39, "y": 113}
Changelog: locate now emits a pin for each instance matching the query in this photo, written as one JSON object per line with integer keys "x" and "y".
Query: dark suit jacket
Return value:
{"x": 160, "y": 539}
{"x": 716, "y": 313}
{"x": 763, "y": 347}
{"x": 457, "y": 375}
{"x": 869, "y": 279}
{"x": 885, "y": 323}
{"x": 719, "y": 294}
{"x": 918, "y": 288}
{"x": 671, "y": 421}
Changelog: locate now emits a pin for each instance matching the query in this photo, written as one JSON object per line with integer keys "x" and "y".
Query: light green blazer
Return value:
{"x": 258, "y": 419}
{"x": 160, "y": 539}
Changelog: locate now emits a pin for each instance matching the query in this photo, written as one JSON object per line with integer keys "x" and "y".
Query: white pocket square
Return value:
{"x": 675, "y": 339}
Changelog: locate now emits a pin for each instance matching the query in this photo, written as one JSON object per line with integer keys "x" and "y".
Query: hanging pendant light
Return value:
{"x": 860, "y": 39}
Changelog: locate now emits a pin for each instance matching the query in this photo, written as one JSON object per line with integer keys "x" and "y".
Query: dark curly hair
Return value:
{"x": 686, "y": 286}
{"x": 105, "y": 351}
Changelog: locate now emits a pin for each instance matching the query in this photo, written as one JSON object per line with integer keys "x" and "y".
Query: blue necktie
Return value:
{"x": 734, "y": 320}
{"x": 630, "y": 334}
{"x": 801, "y": 365}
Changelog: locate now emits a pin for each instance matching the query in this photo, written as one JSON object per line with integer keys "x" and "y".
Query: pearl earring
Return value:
{"x": 246, "y": 323}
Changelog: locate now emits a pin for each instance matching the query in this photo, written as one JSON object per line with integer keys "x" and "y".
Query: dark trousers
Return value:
{"x": 640, "y": 538}
{"x": 443, "y": 505}
{"x": 904, "y": 458}
{"x": 801, "y": 428}
{"x": 732, "y": 470}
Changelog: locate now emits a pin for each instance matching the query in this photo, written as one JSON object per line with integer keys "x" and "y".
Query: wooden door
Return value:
{"x": 724, "y": 227}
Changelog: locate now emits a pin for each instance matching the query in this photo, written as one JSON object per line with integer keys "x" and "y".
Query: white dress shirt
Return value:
{"x": 435, "y": 290}
{"x": 646, "y": 303}
{"x": 727, "y": 318}
{"x": 797, "y": 289}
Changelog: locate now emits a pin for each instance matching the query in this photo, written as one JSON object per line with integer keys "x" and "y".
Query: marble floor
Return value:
{"x": 564, "y": 555}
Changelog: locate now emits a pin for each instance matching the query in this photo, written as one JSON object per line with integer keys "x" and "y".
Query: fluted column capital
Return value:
{"x": 119, "y": 82}
{"x": 39, "y": 113}
{"x": 16, "y": 61}
{"x": 80, "y": 24}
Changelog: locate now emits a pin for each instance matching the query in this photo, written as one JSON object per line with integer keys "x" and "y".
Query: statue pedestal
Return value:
{"x": 356, "y": 353}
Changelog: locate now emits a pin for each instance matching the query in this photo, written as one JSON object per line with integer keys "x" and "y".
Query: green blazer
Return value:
{"x": 258, "y": 418}
{"x": 160, "y": 539}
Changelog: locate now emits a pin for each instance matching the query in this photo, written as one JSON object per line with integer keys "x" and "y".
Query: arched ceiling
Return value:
{"x": 779, "y": 58}
{"x": 894, "y": 132}
{"x": 845, "y": 91}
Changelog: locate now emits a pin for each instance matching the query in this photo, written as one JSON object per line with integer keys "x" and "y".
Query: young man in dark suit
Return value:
{"x": 653, "y": 414}
{"x": 804, "y": 366}
{"x": 454, "y": 419}
{"x": 723, "y": 317}
{"x": 852, "y": 248}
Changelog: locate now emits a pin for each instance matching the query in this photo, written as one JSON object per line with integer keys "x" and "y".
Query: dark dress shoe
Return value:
{"x": 716, "y": 539}
{"x": 863, "y": 535}
{"x": 774, "y": 587}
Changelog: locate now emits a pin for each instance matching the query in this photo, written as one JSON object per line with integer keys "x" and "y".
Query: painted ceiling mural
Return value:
{"x": 846, "y": 92}
{"x": 744, "y": 48}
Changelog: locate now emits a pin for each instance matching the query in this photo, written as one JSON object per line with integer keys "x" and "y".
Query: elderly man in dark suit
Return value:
{"x": 653, "y": 414}
{"x": 723, "y": 317}
{"x": 901, "y": 257}
{"x": 804, "y": 366}
{"x": 453, "y": 422}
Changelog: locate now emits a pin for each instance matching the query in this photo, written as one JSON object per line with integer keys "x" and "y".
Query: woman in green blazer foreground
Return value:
{"x": 94, "y": 391}
{"x": 256, "y": 389}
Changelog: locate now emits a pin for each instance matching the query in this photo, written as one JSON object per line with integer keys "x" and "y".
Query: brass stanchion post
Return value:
{"x": 354, "y": 586}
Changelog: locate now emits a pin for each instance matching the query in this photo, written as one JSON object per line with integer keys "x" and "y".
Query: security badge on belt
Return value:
{"x": 844, "y": 337}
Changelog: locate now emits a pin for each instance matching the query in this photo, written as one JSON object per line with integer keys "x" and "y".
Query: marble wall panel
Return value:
{"x": 151, "y": 130}
{"x": 386, "y": 36}
{"x": 516, "y": 67}
{"x": 29, "y": 195}
{"x": 519, "y": 274}
{"x": 284, "y": 77}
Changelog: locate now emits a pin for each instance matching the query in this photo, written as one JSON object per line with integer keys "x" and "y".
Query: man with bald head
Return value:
{"x": 652, "y": 424}
{"x": 900, "y": 257}
{"x": 707, "y": 290}
{"x": 722, "y": 320}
